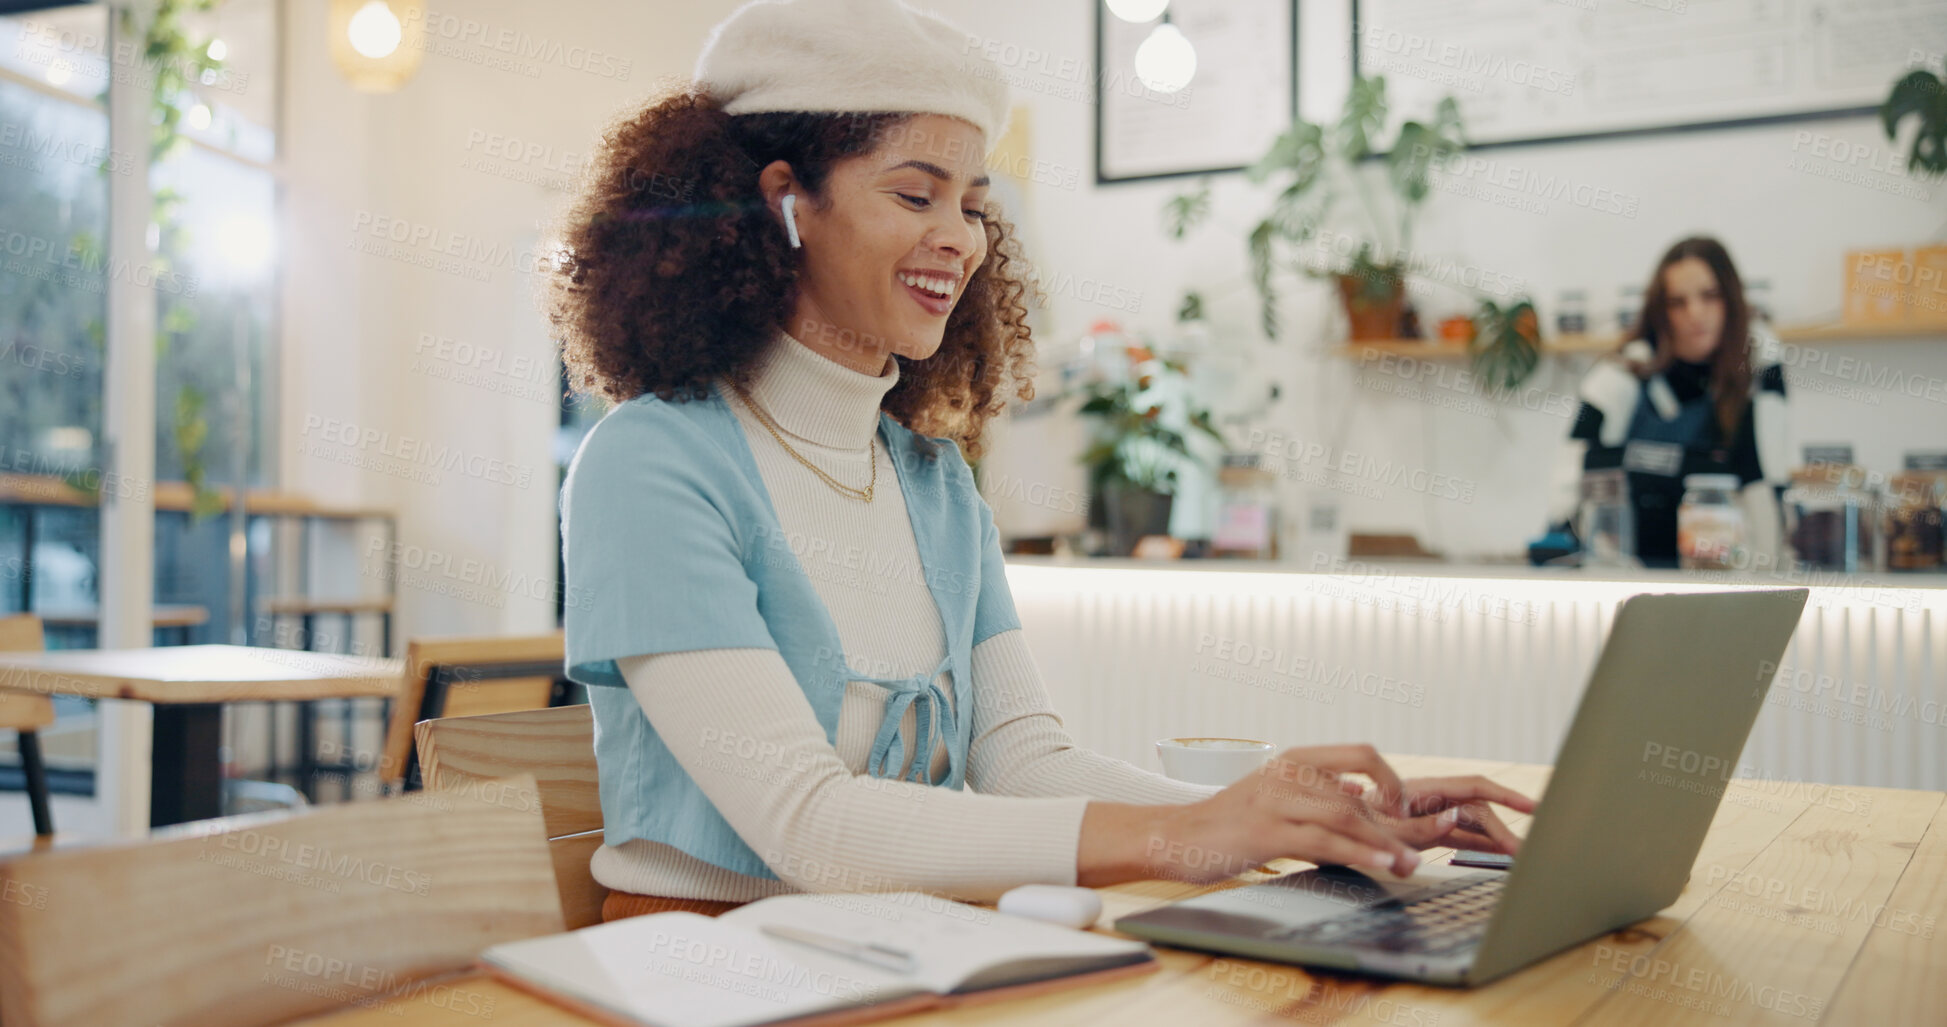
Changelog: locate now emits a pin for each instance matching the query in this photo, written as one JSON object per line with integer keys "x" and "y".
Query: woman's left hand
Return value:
{"x": 1454, "y": 811}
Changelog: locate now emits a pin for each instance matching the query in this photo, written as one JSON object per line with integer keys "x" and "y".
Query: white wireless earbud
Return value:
{"x": 791, "y": 219}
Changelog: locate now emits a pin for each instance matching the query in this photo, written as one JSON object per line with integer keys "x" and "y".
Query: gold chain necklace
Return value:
{"x": 843, "y": 489}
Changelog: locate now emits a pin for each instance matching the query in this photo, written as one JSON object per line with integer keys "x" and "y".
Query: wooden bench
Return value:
{"x": 263, "y": 918}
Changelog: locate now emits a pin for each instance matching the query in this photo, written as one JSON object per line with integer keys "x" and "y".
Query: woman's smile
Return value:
{"x": 934, "y": 291}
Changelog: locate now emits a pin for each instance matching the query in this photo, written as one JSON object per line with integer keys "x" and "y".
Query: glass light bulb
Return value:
{"x": 1138, "y": 11}
{"x": 374, "y": 30}
{"x": 1166, "y": 62}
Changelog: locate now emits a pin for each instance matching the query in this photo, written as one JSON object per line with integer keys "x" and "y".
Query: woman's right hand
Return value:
{"x": 1298, "y": 805}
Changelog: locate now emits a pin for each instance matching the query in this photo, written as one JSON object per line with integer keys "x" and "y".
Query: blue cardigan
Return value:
{"x": 671, "y": 543}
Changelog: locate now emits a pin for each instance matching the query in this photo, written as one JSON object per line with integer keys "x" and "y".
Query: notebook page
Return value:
{"x": 688, "y": 970}
{"x": 951, "y": 942}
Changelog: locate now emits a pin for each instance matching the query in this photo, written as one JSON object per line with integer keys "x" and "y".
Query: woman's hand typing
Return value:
{"x": 1299, "y": 805}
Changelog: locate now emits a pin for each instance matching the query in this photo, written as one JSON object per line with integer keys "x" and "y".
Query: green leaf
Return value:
{"x": 1186, "y": 211}
{"x": 1300, "y": 150}
{"x": 1364, "y": 116}
{"x": 1192, "y": 307}
{"x": 1260, "y": 248}
{"x": 1410, "y": 162}
{"x": 1923, "y": 95}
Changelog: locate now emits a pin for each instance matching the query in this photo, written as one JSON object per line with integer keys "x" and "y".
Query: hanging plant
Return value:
{"x": 179, "y": 63}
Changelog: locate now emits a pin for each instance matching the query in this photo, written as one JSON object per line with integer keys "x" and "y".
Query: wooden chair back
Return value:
{"x": 557, "y": 748}
{"x": 418, "y": 700}
{"x": 19, "y": 711}
{"x": 269, "y": 917}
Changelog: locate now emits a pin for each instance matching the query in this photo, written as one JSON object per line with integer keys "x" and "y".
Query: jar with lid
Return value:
{"x": 1628, "y": 309}
{"x": 1916, "y": 509}
{"x": 1710, "y": 524}
{"x": 1831, "y": 515}
{"x": 1605, "y": 521}
{"x": 1247, "y": 511}
{"x": 1572, "y": 313}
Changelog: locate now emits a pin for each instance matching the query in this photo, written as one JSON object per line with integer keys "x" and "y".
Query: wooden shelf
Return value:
{"x": 1568, "y": 345}
{"x": 1841, "y": 332}
{"x": 1434, "y": 350}
{"x": 49, "y": 490}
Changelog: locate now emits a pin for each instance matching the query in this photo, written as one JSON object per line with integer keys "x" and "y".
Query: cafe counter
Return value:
{"x": 1483, "y": 661}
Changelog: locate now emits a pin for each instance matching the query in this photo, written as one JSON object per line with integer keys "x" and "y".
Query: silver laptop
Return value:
{"x": 1656, "y": 738}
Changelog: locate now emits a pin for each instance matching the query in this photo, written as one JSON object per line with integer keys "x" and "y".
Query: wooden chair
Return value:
{"x": 463, "y": 677}
{"x": 555, "y": 746}
{"x": 269, "y": 917}
{"x": 27, "y": 714}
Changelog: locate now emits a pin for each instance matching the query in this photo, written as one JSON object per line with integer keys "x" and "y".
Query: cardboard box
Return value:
{"x": 1927, "y": 300}
{"x": 1877, "y": 283}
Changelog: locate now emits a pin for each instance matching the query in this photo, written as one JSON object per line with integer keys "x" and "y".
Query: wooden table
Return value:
{"x": 188, "y": 685}
{"x": 1859, "y": 949}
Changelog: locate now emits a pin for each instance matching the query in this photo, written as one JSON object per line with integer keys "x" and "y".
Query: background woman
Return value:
{"x": 806, "y": 668}
{"x": 1699, "y": 391}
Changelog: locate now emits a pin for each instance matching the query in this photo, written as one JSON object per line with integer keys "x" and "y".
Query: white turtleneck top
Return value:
{"x": 808, "y": 808}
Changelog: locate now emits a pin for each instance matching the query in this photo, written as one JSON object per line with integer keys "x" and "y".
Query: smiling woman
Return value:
{"x": 803, "y": 670}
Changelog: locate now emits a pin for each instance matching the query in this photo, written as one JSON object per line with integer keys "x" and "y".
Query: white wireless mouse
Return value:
{"x": 1069, "y": 907}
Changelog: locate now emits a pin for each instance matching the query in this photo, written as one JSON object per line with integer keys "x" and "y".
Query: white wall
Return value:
{"x": 453, "y": 358}
{"x": 354, "y": 320}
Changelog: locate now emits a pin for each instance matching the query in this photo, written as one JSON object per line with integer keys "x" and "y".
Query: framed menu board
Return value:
{"x": 1244, "y": 93}
{"x": 1528, "y": 71}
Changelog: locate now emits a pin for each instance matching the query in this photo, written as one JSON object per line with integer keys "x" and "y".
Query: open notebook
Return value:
{"x": 688, "y": 970}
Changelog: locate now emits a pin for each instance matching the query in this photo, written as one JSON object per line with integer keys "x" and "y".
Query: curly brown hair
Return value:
{"x": 671, "y": 269}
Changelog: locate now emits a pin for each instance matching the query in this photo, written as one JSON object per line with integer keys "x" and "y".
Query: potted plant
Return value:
{"x": 1137, "y": 448}
{"x": 1318, "y": 165}
{"x": 1506, "y": 343}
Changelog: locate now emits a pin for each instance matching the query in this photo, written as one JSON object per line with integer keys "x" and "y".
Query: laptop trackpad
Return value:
{"x": 1283, "y": 903}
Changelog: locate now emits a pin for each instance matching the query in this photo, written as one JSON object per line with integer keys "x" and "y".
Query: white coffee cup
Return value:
{"x": 1211, "y": 761}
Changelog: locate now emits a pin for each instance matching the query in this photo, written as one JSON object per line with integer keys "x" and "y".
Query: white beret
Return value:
{"x": 851, "y": 56}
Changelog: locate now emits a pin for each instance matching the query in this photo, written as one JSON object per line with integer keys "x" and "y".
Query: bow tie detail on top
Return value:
{"x": 931, "y": 713}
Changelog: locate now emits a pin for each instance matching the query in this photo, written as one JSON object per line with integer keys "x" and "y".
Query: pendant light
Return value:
{"x": 377, "y": 44}
{"x": 1166, "y": 62}
{"x": 1137, "y": 12}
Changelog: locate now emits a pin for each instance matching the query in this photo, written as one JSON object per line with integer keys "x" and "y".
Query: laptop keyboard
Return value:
{"x": 1442, "y": 919}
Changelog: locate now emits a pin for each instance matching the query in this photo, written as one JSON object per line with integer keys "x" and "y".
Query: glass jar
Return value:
{"x": 1605, "y": 522}
{"x": 1572, "y": 313}
{"x": 1710, "y": 524}
{"x": 1628, "y": 309}
{"x": 1830, "y": 517}
{"x": 1916, "y": 509}
{"x": 1247, "y": 511}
